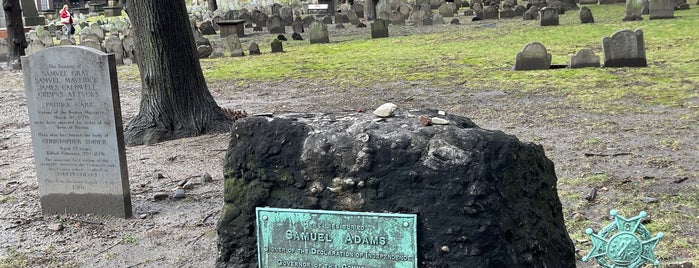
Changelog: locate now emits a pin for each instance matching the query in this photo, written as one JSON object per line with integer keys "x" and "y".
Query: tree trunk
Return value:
{"x": 16, "y": 40}
{"x": 175, "y": 100}
{"x": 212, "y": 5}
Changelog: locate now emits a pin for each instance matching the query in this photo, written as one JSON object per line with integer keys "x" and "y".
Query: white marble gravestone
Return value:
{"x": 75, "y": 119}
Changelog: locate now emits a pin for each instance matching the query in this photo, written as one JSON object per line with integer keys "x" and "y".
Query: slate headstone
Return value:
{"x": 114, "y": 45}
{"x": 533, "y": 57}
{"x": 275, "y": 25}
{"x": 549, "y": 16}
{"x": 232, "y": 44}
{"x": 379, "y": 29}
{"x": 531, "y": 14}
{"x": 584, "y": 58}
{"x": 207, "y": 28}
{"x": 625, "y": 48}
{"x": 585, "y": 15}
{"x": 634, "y": 9}
{"x": 318, "y": 33}
{"x": 490, "y": 13}
{"x": 277, "y": 46}
{"x": 254, "y": 49}
{"x": 76, "y": 127}
{"x": 661, "y": 9}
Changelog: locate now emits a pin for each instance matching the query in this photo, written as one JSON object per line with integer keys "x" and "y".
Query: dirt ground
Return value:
{"x": 657, "y": 149}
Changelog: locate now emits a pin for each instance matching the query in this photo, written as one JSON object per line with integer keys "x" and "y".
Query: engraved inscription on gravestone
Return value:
{"x": 76, "y": 128}
{"x": 335, "y": 239}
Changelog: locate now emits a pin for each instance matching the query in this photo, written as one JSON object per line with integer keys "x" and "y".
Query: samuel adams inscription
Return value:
{"x": 335, "y": 239}
{"x": 75, "y": 120}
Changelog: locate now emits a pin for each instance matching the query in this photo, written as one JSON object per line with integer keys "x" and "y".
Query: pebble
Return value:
{"x": 385, "y": 110}
{"x": 649, "y": 200}
{"x": 160, "y": 196}
{"x": 56, "y": 227}
{"x": 206, "y": 178}
{"x": 445, "y": 249}
{"x": 178, "y": 193}
{"x": 143, "y": 216}
{"x": 439, "y": 121}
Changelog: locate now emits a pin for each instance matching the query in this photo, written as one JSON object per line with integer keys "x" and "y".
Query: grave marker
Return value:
{"x": 533, "y": 57}
{"x": 624, "y": 49}
{"x": 76, "y": 128}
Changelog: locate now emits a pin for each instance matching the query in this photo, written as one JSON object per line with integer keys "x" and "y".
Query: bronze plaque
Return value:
{"x": 335, "y": 239}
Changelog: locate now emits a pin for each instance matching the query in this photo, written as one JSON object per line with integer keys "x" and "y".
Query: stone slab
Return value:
{"x": 76, "y": 127}
{"x": 323, "y": 238}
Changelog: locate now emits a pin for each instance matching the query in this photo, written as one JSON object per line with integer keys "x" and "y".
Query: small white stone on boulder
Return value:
{"x": 385, "y": 110}
{"x": 439, "y": 121}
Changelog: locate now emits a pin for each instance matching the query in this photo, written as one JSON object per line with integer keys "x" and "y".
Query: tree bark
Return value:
{"x": 175, "y": 100}
{"x": 16, "y": 40}
{"x": 212, "y": 5}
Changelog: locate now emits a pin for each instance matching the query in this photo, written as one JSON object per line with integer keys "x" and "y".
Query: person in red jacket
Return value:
{"x": 67, "y": 20}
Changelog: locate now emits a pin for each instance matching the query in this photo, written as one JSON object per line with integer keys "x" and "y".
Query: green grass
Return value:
{"x": 481, "y": 58}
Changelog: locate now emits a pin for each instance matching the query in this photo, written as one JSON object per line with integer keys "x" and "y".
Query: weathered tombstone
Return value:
{"x": 634, "y": 9}
{"x": 558, "y": 5}
{"x": 204, "y": 51}
{"x": 75, "y": 119}
{"x": 585, "y": 15}
{"x": 519, "y": 11}
{"x": 661, "y": 9}
{"x": 490, "y": 13}
{"x": 65, "y": 41}
{"x": 254, "y": 49}
{"x": 275, "y": 25}
{"x": 533, "y": 57}
{"x": 531, "y": 14}
{"x": 277, "y": 46}
{"x": 397, "y": 18}
{"x": 232, "y": 44}
{"x": 359, "y": 9}
{"x": 446, "y": 10}
{"x": 297, "y": 26}
{"x": 483, "y": 198}
{"x": 624, "y": 49}
{"x": 352, "y": 17}
{"x": 296, "y": 36}
{"x": 584, "y": 58}
{"x": 287, "y": 15}
{"x": 341, "y": 18}
{"x": 92, "y": 44}
{"x": 379, "y": 28}
{"x": 34, "y": 47}
{"x": 383, "y": 10}
{"x": 326, "y": 20}
{"x": 114, "y": 45}
{"x": 4, "y": 49}
{"x": 319, "y": 33}
{"x": 97, "y": 30}
{"x": 507, "y": 13}
{"x": 207, "y": 28}
{"x": 437, "y": 19}
{"x": 549, "y": 16}
{"x": 129, "y": 48}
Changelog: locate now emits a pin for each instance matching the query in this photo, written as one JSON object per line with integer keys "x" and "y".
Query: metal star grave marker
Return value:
{"x": 623, "y": 243}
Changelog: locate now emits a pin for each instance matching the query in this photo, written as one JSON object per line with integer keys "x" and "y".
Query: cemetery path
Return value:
{"x": 640, "y": 161}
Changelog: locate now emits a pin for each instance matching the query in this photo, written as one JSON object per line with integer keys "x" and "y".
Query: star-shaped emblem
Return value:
{"x": 623, "y": 243}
